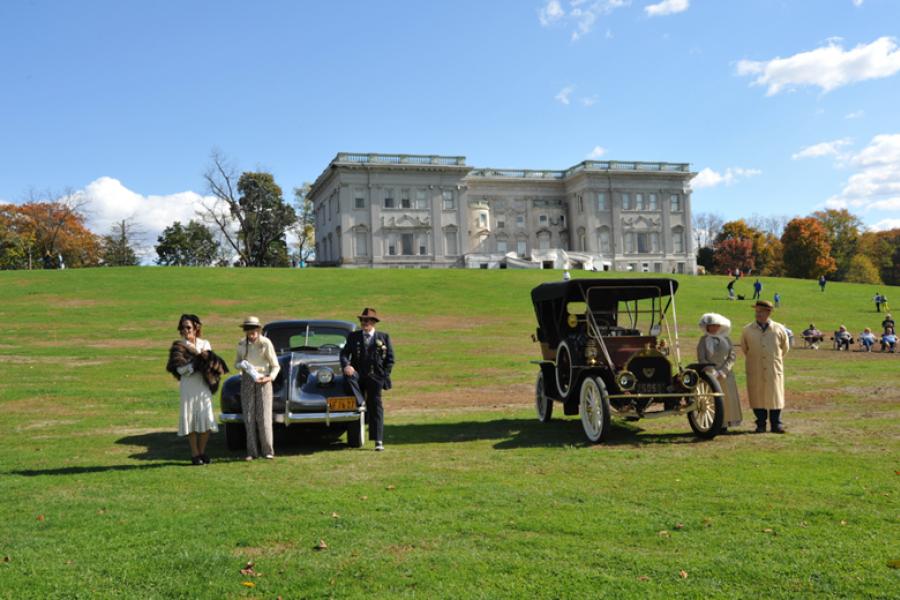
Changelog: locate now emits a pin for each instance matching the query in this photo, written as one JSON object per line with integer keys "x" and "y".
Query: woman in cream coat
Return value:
{"x": 716, "y": 348}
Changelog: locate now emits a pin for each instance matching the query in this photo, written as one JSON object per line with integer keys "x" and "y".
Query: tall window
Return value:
{"x": 421, "y": 199}
{"x": 406, "y": 244}
{"x": 651, "y": 202}
{"x": 626, "y": 201}
{"x": 601, "y": 202}
{"x": 675, "y": 203}
{"x": 542, "y": 219}
{"x": 359, "y": 199}
{"x": 544, "y": 241}
{"x": 482, "y": 220}
{"x": 501, "y": 223}
{"x": 501, "y": 246}
{"x": 521, "y": 247}
{"x": 678, "y": 241}
{"x": 520, "y": 220}
{"x": 603, "y": 240}
{"x": 643, "y": 243}
{"x": 450, "y": 248}
{"x": 638, "y": 202}
{"x": 404, "y": 199}
{"x": 629, "y": 243}
{"x": 362, "y": 243}
{"x": 449, "y": 200}
{"x": 389, "y": 198}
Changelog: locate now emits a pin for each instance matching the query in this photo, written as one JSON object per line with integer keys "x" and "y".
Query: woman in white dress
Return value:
{"x": 716, "y": 348}
{"x": 196, "y": 418}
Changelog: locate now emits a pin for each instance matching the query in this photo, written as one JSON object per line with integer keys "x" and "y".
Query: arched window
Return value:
{"x": 603, "y": 240}
{"x": 678, "y": 240}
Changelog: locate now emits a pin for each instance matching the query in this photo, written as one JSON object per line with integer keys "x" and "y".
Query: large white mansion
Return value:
{"x": 402, "y": 210}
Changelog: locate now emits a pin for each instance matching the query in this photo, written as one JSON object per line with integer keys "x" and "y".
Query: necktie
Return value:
{"x": 368, "y": 338}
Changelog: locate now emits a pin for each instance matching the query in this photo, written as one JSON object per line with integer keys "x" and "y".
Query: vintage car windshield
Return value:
{"x": 315, "y": 337}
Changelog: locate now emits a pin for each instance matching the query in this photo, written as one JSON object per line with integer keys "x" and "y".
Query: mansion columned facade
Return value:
{"x": 398, "y": 210}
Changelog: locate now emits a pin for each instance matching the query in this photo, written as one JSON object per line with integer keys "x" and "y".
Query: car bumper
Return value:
{"x": 299, "y": 418}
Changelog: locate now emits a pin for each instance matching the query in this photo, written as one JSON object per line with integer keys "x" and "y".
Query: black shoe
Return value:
{"x": 723, "y": 430}
{"x": 760, "y": 429}
{"x": 196, "y": 460}
{"x": 778, "y": 429}
{"x": 206, "y": 460}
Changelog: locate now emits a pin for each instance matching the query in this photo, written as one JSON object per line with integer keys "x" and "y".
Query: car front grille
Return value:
{"x": 653, "y": 374}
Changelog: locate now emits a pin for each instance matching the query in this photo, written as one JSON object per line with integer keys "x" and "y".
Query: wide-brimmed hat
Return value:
{"x": 764, "y": 304}
{"x": 369, "y": 313}
{"x": 715, "y": 319}
{"x": 251, "y": 322}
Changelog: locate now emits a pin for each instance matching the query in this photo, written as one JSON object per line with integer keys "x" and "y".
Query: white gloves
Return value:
{"x": 185, "y": 370}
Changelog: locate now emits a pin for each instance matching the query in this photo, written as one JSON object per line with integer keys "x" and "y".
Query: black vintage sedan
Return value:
{"x": 309, "y": 392}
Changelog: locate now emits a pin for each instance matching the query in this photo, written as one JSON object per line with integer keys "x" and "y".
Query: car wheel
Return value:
{"x": 542, "y": 403}
{"x": 706, "y": 420}
{"x": 356, "y": 432}
{"x": 235, "y": 436}
{"x": 563, "y": 370}
{"x": 593, "y": 406}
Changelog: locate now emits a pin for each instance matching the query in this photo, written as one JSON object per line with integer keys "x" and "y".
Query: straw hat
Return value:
{"x": 251, "y": 323}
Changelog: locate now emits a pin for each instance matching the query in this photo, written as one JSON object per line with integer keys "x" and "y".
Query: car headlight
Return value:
{"x": 626, "y": 380}
{"x": 325, "y": 375}
{"x": 689, "y": 378}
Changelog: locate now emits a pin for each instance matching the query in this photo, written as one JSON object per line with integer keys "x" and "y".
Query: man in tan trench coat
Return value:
{"x": 765, "y": 343}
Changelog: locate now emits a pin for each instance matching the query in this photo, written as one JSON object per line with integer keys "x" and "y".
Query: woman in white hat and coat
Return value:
{"x": 258, "y": 364}
{"x": 715, "y": 348}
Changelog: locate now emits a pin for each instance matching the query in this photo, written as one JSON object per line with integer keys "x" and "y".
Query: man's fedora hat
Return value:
{"x": 764, "y": 304}
{"x": 369, "y": 313}
{"x": 251, "y": 323}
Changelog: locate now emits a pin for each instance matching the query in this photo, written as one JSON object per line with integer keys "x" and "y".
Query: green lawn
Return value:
{"x": 473, "y": 497}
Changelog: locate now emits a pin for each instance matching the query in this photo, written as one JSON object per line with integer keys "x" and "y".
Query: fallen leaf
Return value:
{"x": 391, "y": 487}
{"x": 663, "y": 533}
{"x": 643, "y": 578}
{"x": 321, "y": 545}
{"x": 363, "y": 497}
{"x": 768, "y": 530}
{"x": 679, "y": 525}
{"x": 804, "y": 524}
{"x": 248, "y": 584}
{"x": 894, "y": 564}
{"x": 683, "y": 574}
{"x": 40, "y": 517}
{"x": 843, "y": 522}
{"x": 334, "y": 515}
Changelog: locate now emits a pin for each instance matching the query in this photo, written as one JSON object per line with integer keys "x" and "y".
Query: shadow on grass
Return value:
{"x": 528, "y": 433}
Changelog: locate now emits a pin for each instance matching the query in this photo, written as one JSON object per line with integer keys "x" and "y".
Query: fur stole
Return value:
{"x": 209, "y": 364}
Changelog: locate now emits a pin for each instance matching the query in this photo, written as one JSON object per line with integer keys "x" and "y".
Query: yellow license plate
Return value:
{"x": 342, "y": 403}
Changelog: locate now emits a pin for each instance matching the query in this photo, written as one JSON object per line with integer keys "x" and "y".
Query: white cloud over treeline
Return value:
{"x": 708, "y": 178}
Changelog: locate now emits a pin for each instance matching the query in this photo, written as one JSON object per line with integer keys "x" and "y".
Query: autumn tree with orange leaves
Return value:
{"x": 51, "y": 228}
{"x": 806, "y": 249}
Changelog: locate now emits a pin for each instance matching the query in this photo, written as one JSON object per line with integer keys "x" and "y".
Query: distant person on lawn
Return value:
{"x": 877, "y": 300}
{"x": 715, "y": 347}
{"x": 198, "y": 370}
{"x": 258, "y": 364}
{"x": 367, "y": 360}
{"x": 757, "y": 289}
{"x": 843, "y": 339}
{"x": 765, "y": 343}
{"x": 822, "y": 282}
{"x": 867, "y": 339}
{"x": 813, "y": 337}
{"x": 888, "y": 322}
{"x": 889, "y": 340}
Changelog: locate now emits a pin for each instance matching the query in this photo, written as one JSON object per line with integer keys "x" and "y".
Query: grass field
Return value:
{"x": 474, "y": 498}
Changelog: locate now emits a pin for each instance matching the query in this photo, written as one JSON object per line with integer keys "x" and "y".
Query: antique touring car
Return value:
{"x": 607, "y": 348}
{"x": 309, "y": 393}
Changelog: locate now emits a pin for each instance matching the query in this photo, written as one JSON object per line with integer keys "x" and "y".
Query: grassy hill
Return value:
{"x": 473, "y": 498}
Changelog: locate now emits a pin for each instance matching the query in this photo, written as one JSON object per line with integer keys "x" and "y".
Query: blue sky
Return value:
{"x": 783, "y": 107}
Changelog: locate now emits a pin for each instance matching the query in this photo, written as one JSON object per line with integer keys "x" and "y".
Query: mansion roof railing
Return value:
{"x": 400, "y": 159}
{"x": 587, "y": 165}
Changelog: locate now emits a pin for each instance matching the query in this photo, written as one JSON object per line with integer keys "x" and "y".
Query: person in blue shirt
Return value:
{"x": 757, "y": 289}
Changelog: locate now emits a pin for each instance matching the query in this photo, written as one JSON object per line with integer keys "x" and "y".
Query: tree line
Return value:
{"x": 829, "y": 242}
{"x": 245, "y": 222}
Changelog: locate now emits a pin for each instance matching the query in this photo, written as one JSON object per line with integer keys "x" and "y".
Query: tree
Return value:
{"x": 249, "y": 212}
{"x": 305, "y": 228}
{"x": 117, "y": 246}
{"x": 843, "y": 232}
{"x": 191, "y": 246}
{"x": 862, "y": 270}
{"x": 706, "y": 227}
{"x": 706, "y": 258}
{"x": 807, "y": 251}
{"x": 739, "y": 230}
{"x": 733, "y": 254}
{"x": 53, "y": 229}
{"x": 883, "y": 249}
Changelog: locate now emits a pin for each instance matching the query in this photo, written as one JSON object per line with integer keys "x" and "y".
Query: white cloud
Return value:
{"x": 828, "y": 67}
{"x": 581, "y": 15}
{"x": 596, "y": 153}
{"x": 107, "y": 202}
{"x": 708, "y": 178}
{"x": 856, "y": 114}
{"x": 666, "y": 7}
{"x": 876, "y": 184}
{"x": 885, "y": 224}
{"x": 831, "y": 148}
{"x": 590, "y": 101}
{"x": 551, "y": 13}
{"x": 857, "y": 2}
{"x": 563, "y": 95}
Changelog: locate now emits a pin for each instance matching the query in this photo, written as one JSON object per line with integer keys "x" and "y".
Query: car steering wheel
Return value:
{"x": 329, "y": 347}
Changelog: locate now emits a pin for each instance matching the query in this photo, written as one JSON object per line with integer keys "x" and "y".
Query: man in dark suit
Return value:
{"x": 367, "y": 360}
